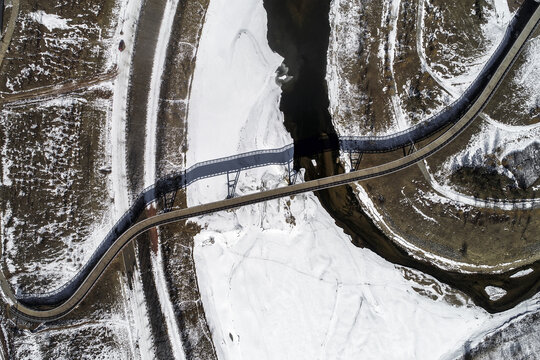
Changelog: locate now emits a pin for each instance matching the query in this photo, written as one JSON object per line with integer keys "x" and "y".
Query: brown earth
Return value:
{"x": 86, "y": 331}
{"x": 55, "y": 154}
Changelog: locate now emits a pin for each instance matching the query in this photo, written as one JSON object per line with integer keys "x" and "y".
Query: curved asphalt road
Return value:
{"x": 529, "y": 11}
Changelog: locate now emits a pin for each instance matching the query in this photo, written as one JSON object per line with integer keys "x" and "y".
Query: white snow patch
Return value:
{"x": 441, "y": 262}
{"x": 502, "y": 11}
{"x": 522, "y": 273}
{"x": 495, "y": 293}
{"x": 234, "y": 88}
{"x": 492, "y": 32}
{"x": 392, "y": 10}
{"x": 448, "y": 191}
{"x": 420, "y": 212}
{"x": 150, "y": 169}
{"x": 50, "y": 21}
{"x": 503, "y": 321}
{"x": 491, "y": 140}
{"x": 34, "y": 345}
{"x": 140, "y": 332}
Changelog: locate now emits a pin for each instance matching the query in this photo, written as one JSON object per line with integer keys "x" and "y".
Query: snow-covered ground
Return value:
{"x": 154, "y": 94}
{"x": 466, "y": 69}
{"x": 126, "y": 30}
{"x": 50, "y": 21}
{"x": 44, "y": 147}
{"x": 353, "y": 37}
{"x": 453, "y": 69}
{"x": 141, "y": 339}
{"x": 125, "y": 333}
{"x": 494, "y": 137}
{"x": 490, "y": 141}
{"x": 280, "y": 279}
{"x": 80, "y": 228}
{"x": 67, "y": 39}
{"x": 391, "y": 11}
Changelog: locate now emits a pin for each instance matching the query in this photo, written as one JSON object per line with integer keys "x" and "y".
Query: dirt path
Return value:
{"x": 8, "y": 34}
{"x": 57, "y": 89}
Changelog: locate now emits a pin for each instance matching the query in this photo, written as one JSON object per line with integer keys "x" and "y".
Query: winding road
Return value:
{"x": 52, "y": 306}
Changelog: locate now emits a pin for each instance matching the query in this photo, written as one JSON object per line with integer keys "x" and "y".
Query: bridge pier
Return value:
{"x": 232, "y": 182}
{"x": 168, "y": 200}
{"x": 355, "y": 158}
{"x": 410, "y": 150}
{"x": 293, "y": 174}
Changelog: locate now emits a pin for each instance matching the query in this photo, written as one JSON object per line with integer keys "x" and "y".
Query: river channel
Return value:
{"x": 299, "y": 30}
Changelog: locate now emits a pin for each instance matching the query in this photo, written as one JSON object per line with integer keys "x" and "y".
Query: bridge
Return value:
{"x": 454, "y": 119}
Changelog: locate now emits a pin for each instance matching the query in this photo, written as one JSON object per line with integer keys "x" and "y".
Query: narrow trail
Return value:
{"x": 55, "y": 90}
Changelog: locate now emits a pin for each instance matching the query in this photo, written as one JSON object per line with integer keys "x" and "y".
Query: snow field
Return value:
{"x": 236, "y": 90}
